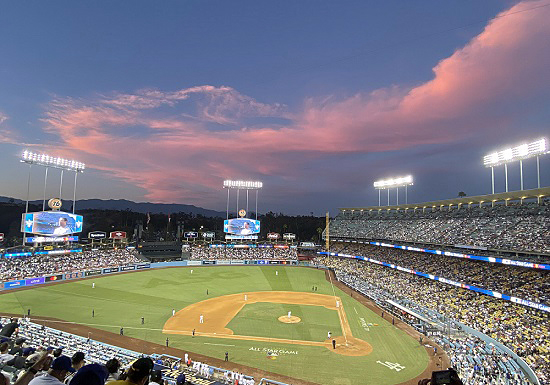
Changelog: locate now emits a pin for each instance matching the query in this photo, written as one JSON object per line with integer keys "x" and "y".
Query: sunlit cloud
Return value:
{"x": 179, "y": 145}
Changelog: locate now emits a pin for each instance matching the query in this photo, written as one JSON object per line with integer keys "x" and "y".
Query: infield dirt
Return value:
{"x": 217, "y": 312}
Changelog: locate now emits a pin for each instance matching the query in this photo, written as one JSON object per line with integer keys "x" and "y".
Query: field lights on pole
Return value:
{"x": 48, "y": 161}
{"x": 242, "y": 185}
{"x": 387, "y": 184}
{"x": 51, "y": 161}
{"x": 513, "y": 154}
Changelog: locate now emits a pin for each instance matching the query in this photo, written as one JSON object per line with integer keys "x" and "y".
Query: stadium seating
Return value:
{"x": 39, "y": 265}
{"x": 204, "y": 253}
{"x": 524, "y": 330}
{"x": 39, "y": 337}
{"x": 525, "y": 283}
{"x": 514, "y": 227}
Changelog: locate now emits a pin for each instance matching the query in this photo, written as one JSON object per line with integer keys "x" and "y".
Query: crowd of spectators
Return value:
{"x": 477, "y": 361}
{"x": 522, "y": 282}
{"x": 25, "y": 344}
{"x": 14, "y": 268}
{"x": 524, "y": 330}
{"x": 514, "y": 227}
{"x": 259, "y": 253}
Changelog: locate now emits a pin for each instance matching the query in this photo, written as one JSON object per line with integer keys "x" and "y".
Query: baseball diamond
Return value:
{"x": 249, "y": 329}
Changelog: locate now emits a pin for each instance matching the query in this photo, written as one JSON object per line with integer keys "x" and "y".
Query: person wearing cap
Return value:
{"x": 77, "y": 362}
{"x": 19, "y": 362}
{"x": 181, "y": 379}
{"x": 56, "y": 374}
{"x": 138, "y": 373}
{"x": 92, "y": 374}
{"x": 156, "y": 378}
{"x": 17, "y": 349}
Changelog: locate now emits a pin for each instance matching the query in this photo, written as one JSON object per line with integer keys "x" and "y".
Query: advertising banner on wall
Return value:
{"x": 97, "y": 235}
{"x": 14, "y": 284}
{"x": 34, "y": 281}
{"x": 71, "y": 238}
{"x": 74, "y": 275}
{"x": 52, "y": 278}
{"x": 117, "y": 235}
{"x": 92, "y": 272}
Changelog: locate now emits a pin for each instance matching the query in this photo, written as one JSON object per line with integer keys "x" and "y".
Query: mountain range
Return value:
{"x": 123, "y": 204}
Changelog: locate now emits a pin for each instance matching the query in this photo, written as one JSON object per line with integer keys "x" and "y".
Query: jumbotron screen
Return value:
{"x": 55, "y": 223}
{"x": 241, "y": 226}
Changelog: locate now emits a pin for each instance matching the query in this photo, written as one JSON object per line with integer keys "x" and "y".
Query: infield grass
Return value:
{"x": 121, "y": 300}
{"x": 316, "y": 322}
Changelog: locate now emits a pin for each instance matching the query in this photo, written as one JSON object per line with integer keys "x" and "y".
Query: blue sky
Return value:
{"x": 163, "y": 100}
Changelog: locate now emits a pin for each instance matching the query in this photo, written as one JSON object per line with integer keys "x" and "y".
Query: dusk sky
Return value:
{"x": 163, "y": 100}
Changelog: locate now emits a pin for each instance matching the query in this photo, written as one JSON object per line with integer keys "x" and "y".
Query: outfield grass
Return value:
{"x": 316, "y": 322}
{"x": 121, "y": 300}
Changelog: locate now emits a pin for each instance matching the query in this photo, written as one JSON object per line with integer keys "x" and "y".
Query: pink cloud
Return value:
{"x": 177, "y": 156}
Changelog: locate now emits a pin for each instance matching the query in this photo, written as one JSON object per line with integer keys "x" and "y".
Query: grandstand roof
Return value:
{"x": 536, "y": 193}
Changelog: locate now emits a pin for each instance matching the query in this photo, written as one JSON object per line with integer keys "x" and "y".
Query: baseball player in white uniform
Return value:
{"x": 289, "y": 314}
{"x": 173, "y": 312}
{"x": 201, "y": 319}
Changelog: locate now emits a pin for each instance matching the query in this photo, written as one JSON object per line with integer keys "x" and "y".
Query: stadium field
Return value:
{"x": 245, "y": 312}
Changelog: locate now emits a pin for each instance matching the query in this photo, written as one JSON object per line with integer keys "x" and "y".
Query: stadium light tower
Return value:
{"x": 48, "y": 161}
{"x": 242, "y": 185}
{"x": 513, "y": 154}
{"x": 387, "y": 184}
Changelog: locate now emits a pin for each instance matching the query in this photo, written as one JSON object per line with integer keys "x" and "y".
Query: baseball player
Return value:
{"x": 337, "y": 303}
{"x": 191, "y": 271}
{"x": 276, "y": 272}
{"x": 246, "y": 297}
{"x": 329, "y": 335}
{"x": 93, "y": 285}
{"x": 289, "y": 314}
{"x": 173, "y": 312}
{"x": 201, "y": 319}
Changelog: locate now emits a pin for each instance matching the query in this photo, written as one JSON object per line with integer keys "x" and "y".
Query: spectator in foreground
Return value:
{"x": 77, "y": 362}
{"x": 10, "y": 328}
{"x": 92, "y": 374}
{"x": 156, "y": 378}
{"x": 4, "y": 355}
{"x": 138, "y": 373}
{"x": 56, "y": 374}
{"x": 113, "y": 367}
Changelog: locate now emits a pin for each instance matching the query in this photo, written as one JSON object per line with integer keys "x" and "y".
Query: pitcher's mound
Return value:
{"x": 289, "y": 320}
{"x": 350, "y": 347}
